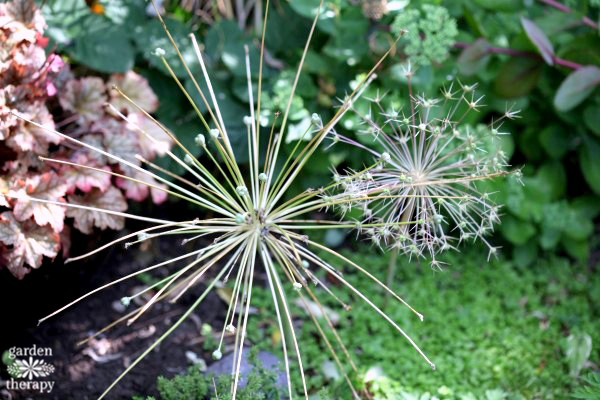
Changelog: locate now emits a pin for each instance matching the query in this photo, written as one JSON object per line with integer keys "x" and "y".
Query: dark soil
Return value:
{"x": 84, "y": 372}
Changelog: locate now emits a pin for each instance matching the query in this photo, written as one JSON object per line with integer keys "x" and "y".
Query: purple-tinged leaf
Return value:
{"x": 474, "y": 57}
{"x": 576, "y": 87}
{"x": 539, "y": 39}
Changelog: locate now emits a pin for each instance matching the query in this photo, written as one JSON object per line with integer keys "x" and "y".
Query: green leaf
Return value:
{"x": 579, "y": 249}
{"x": 591, "y": 117}
{"x": 516, "y": 231}
{"x": 500, "y": 5}
{"x": 110, "y": 52}
{"x": 150, "y": 36}
{"x": 555, "y": 140}
{"x": 517, "y": 77}
{"x": 525, "y": 255}
{"x": 473, "y": 58}
{"x": 589, "y": 162}
{"x": 539, "y": 39}
{"x": 576, "y": 87}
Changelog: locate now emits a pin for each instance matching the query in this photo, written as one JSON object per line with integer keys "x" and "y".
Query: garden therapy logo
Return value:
{"x": 28, "y": 369}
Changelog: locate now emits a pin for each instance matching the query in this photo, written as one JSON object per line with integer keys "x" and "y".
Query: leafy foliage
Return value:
{"x": 30, "y": 85}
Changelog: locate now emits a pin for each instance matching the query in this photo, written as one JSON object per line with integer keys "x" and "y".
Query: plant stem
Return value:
{"x": 521, "y": 53}
{"x": 561, "y": 7}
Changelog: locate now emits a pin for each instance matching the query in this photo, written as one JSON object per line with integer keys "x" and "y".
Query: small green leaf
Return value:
{"x": 555, "y": 140}
{"x": 517, "y": 77}
{"x": 539, "y": 39}
{"x": 516, "y": 231}
{"x": 576, "y": 87}
{"x": 589, "y": 161}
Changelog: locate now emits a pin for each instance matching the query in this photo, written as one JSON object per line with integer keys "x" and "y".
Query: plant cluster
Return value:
{"x": 39, "y": 163}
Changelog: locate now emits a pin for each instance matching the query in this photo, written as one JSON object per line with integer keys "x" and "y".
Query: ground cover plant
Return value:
{"x": 506, "y": 331}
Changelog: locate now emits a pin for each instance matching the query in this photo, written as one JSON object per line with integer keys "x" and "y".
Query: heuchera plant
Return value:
{"x": 41, "y": 88}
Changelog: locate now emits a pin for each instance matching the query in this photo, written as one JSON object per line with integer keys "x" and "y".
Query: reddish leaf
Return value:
{"x": 539, "y": 39}
{"x": 139, "y": 191}
{"x": 111, "y": 200}
{"x": 29, "y": 242}
{"x": 136, "y": 88}
{"x": 118, "y": 140}
{"x": 85, "y": 179}
{"x": 47, "y": 186}
{"x": 150, "y": 148}
{"x": 28, "y": 137}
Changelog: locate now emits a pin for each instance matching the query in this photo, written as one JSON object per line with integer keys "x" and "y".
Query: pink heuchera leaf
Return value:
{"x": 29, "y": 242}
{"x": 23, "y": 19}
{"x": 84, "y": 97}
{"x": 149, "y": 148}
{"x": 118, "y": 140}
{"x": 47, "y": 186}
{"x": 139, "y": 191}
{"x": 85, "y": 220}
{"x": 28, "y": 137}
{"x": 136, "y": 88}
{"x": 84, "y": 179}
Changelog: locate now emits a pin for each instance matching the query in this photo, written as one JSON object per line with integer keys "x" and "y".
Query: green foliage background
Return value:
{"x": 493, "y": 314}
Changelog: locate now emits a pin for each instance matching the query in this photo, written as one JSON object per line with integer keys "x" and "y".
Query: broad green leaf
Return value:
{"x": 517, "y": 77}
{"x": 150, "y": 36}
{"x": 539, "y": 39}
{"x": 589, "y": 161}
{"x": 109, "y": 52}
{"x": 576, "y": 87}
{"x": 474, "y": 57}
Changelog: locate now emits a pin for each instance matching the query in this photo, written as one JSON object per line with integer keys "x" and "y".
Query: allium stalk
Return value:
{"x": 253, "y": 227}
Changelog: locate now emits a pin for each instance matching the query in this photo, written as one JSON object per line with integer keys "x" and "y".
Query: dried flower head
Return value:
{"x": 426, "y": 170}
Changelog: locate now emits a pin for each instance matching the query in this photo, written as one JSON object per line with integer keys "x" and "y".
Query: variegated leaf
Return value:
{"x": 136, "y": 88}
{"x": 29, "y": 243}
{"x": 47, "y": 186}
{"x": 85, "y": 220}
